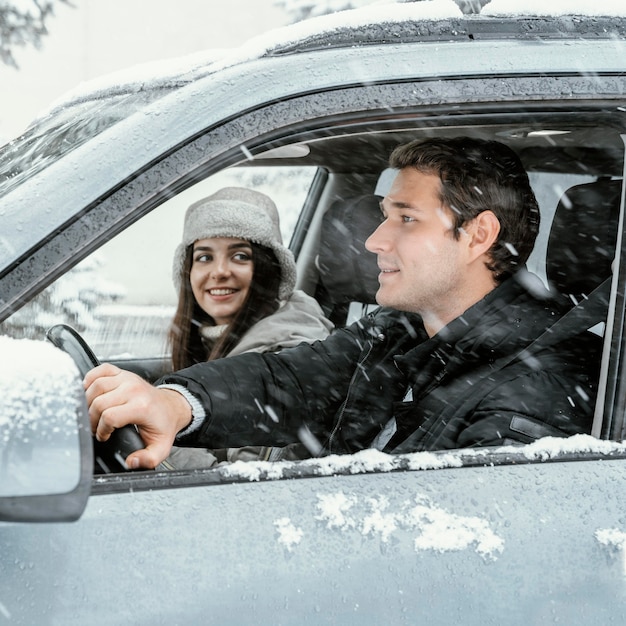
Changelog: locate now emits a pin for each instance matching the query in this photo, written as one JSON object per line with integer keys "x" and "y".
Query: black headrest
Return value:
{"x": 348, "y": 272}
{"x": 581, "y": 246}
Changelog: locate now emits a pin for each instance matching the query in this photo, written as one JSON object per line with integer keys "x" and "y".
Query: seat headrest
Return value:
{"x": 348, "y": 272}
{"x": 581, "y": 245}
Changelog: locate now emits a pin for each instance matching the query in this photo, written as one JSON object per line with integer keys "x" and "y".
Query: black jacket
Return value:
{"x": 469, "y": 385}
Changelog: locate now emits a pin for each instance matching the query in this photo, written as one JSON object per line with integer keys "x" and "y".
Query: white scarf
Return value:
{"x": 212, "y": 333}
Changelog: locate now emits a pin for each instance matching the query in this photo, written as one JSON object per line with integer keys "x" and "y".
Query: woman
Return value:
{"x": 235, "y": 283}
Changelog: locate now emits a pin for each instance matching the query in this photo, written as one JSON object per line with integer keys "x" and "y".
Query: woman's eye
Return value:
{"x": 202, "y": 258}
{"x": 408, "y": 218}
{"x": 242, "y": 257}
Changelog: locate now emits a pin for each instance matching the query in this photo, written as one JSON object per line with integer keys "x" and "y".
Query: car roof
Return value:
{"x": 389, "y": 23}
{"x": 177, "y": 106}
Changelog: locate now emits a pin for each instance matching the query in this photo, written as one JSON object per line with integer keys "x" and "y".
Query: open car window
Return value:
{"x": 310, "y": 168}
{"x": 121, "y": 298}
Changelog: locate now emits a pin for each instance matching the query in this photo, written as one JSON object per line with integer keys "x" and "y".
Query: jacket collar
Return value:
{"x": 507, "y": 319}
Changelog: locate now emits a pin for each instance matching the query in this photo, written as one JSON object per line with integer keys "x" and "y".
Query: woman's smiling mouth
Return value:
{"x": 222, "y": 291}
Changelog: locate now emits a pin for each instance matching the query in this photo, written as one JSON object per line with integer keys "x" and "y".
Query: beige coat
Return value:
{"x": 298, "y": 319}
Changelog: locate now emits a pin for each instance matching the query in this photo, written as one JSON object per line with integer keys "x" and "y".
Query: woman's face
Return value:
{"x": 220, "y": 276}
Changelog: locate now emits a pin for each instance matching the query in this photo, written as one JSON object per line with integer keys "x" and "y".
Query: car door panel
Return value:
{"x": 445, "y": 546}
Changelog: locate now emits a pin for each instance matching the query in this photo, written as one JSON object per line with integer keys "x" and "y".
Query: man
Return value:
{"x": 446, "y": 362}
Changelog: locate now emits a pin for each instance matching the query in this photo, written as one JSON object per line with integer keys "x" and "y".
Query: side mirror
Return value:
{"x": 46, "y": 450}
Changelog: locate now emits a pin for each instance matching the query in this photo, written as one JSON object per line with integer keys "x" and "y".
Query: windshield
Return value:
{"x": 65, "y": 129}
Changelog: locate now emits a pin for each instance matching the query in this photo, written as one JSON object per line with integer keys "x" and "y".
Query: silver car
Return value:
{"x": 92, "y": 198}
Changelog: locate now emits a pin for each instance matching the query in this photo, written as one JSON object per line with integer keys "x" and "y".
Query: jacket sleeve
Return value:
{"x": 267, "y": 399}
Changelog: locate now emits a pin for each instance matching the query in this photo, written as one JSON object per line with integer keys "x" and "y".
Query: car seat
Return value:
{"x": 581, "y": 244}
{"x": 348, "y": 273}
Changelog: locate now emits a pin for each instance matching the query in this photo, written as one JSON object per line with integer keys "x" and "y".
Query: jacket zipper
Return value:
{"x": 359, "y": 370}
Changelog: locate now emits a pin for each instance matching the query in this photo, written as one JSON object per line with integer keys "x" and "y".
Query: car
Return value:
{"x": 92, "y": 198}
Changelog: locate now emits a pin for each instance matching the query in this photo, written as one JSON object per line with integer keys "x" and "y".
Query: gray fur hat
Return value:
{"x": 241, "y": 213}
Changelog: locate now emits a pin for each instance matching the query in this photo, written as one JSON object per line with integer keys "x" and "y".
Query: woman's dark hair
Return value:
{"x": 262, "y": 300}
{"x": 479, "y": 175}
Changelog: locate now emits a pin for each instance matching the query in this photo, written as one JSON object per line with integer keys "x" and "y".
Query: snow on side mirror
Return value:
{"x": 46, "y": 450}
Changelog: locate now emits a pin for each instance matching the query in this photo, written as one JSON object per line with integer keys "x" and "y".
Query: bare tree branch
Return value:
{"x": 23, "y": 23}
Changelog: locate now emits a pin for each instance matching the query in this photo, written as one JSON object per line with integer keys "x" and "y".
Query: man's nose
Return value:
{"x": 378, "y": 240}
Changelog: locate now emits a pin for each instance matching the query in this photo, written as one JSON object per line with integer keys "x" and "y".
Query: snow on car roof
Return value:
{"x": 169, "y": 72}
{"x": 143, "y": 76}
{"x": 555, "y": 8}
{"x": 182, "y": 69}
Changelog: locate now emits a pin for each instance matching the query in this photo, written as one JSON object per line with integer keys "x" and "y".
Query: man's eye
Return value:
{"x": 408, "y": 218}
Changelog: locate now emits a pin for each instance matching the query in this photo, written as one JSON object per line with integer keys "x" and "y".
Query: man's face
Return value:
{"x": 422, "y": 264}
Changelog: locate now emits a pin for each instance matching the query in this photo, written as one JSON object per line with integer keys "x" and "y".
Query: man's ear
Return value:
{"x": 483, "y": 231}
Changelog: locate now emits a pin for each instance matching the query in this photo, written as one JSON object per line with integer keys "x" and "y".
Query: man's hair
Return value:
{"x": 479, "y": 175}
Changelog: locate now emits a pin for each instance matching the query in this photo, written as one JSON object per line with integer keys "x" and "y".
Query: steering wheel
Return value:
{"x": 109, "y": 456}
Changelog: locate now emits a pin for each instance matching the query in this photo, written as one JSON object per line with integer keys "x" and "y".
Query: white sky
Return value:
{"x": 101, "y": 36}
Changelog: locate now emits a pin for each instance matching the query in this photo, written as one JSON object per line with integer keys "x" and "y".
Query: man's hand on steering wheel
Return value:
{"x": 117, "y": 397}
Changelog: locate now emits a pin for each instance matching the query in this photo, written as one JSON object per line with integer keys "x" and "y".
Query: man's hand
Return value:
{"x": 116, "y": 398}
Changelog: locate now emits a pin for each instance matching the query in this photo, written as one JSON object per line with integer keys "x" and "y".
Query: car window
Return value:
{"x": 560, "y": 149}
{"x": 549, "y": 187}
{"x": 121, "y": 298}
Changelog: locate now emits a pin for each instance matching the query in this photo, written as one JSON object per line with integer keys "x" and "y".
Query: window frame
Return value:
{"x": 269, "y": 127}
